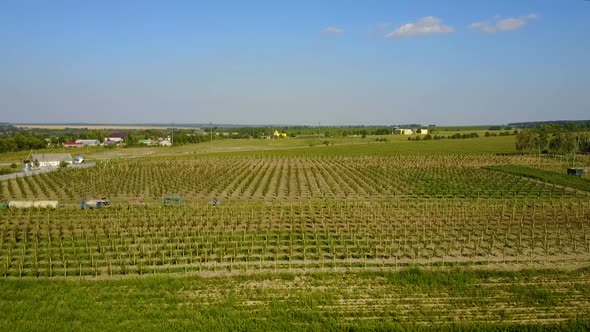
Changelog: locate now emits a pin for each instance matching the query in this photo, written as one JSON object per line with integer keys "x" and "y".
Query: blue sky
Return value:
{"x": 294, "y": 62}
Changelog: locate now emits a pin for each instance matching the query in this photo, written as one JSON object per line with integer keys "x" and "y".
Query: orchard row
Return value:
{"x": 287, "y": 179}
{"x": 258, "y": 236}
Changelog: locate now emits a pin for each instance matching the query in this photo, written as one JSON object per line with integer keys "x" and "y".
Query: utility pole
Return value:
{"x": 211, "y": 131}
{"x": 172, "y": 139}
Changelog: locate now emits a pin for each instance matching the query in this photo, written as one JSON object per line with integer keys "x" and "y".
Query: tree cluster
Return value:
{"x": 564, "y": 140}
{"x": 22, "y": 141}
{"x": 437, "y": 137}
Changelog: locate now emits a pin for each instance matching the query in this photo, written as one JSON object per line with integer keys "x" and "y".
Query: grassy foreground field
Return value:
{"x": 408, "y": 300}
{"x": 358, "y": 235}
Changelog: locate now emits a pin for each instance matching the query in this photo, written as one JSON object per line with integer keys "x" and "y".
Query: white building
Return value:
{"x": 422, "y": 131}
{"x": 165, "y": 143}
{"x": 88, "y": 142}
{"x": 50, "y": 160}
{"x": 403, "y": 131}
{"x": 114, "y": 139}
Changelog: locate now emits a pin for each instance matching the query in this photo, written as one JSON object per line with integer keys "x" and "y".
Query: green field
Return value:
{"x": 311, "y": 234}
{"x": 293, "y": 146}
{"x": 404, "y": 300}
{"x": 562, "y": 178}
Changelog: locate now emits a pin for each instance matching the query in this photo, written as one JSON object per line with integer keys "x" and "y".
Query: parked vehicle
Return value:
{"x": 94, "y": 203}
{"x": 172, "y": 201}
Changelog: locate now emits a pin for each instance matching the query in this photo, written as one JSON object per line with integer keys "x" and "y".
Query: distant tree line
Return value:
{"x": 502, "y": 133}
{"x": 179, "y": 136}
{"x": 437, "y": 137}
{"x": 580, "y": 124}
{"x": 22, "y": 141}
{"x": 566, "y": 139}
{"x": 299, "y": 131}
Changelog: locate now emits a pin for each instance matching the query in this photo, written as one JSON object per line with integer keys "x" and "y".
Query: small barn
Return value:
{"x": 279, "y": 135}
{"x": 116, "y": 137}
{"x": 110, "y": 143}
{"x": 72, "y": 145}
{"x": 422, "y": 131}
{"x": 88, "y": 142}
{"x": 403, "y": 131}
{"x": 50, "y": 160}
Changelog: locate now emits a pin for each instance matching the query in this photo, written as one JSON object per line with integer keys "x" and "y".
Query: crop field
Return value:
{"x": 320, "y": 240}
{"x": 261, "y": 237}
{"x": 288, "y": 179}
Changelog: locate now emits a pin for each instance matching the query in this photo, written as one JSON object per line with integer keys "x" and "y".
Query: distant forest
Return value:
{"x": 583, "y": 123}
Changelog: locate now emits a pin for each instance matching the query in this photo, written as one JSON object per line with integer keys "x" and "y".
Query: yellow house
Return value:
{"x": 277, "y": 134}
{"x": 402, "y": 131}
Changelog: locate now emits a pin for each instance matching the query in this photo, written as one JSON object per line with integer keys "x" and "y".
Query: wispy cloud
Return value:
{"x": 333, "y": 30}
{"x": 428, "y": 25}
{"x": 504, "y": 24}
{"x": 378, "y": 29}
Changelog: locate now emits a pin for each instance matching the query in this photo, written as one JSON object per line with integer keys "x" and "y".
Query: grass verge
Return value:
{"x": 406, "y": 300}
{"x": 546, "y": 176}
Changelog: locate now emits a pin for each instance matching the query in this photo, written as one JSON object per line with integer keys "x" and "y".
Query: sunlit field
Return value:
{"x": 333, "y": 233}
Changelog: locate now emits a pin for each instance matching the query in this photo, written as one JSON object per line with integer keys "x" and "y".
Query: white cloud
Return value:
{"x": 425, "y": 26}
{"x": 333, "y": 30}
{"x": 506, "y": 24}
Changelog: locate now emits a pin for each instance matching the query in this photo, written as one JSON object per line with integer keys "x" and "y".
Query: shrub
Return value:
{"x": 4, "y": 171}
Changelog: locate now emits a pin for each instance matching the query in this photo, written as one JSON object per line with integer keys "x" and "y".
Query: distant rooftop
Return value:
{"x": 118, "y": 135}
{"x": 48, "y": 157}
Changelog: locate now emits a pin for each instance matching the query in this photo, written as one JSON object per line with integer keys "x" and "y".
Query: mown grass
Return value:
{"x": 562, "y": 179}
{"x": 161, "y": 303}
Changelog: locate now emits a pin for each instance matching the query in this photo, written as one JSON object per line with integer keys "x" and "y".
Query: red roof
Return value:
{"x": 72, "y": 144}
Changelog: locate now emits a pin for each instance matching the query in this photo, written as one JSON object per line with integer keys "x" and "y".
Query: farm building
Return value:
{"x": 422, "y": 131}
{"x": 277, "y": 134}
{"x": 72, "y": 145}
{"x": 88, "y": 142}
{"x": 116, "y": 137}
{"x": 50, "y": 160}
{"x": 403, "y": 131}
{"x": 110, "y": 143}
